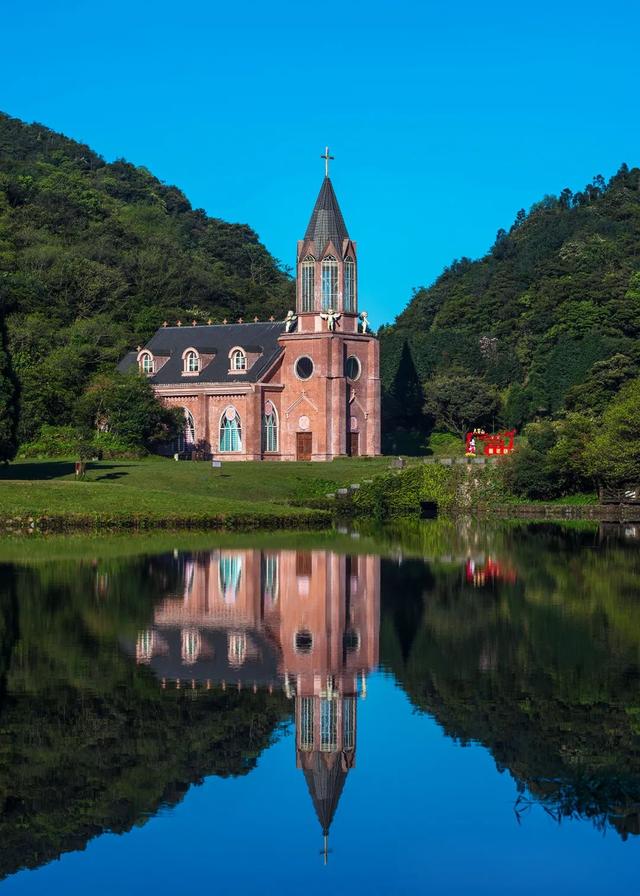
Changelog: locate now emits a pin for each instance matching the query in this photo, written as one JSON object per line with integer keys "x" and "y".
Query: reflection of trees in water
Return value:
{"x": 90, "y": 741}
{"x": 545, "y": 671}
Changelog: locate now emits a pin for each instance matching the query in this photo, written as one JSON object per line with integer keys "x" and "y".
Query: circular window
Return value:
{"x": 352, "y": 368}
{"x": 303, "y": 642}
{"x": 304, "y": 368}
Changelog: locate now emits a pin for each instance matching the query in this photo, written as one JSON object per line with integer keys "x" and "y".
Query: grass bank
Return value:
{"x": 455, "y": 489}
{"x": 160, "y": 493}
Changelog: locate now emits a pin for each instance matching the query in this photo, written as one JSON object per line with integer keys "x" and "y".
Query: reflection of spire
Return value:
{"x": 325, "y": 779}
{"x": 325, "y": 849}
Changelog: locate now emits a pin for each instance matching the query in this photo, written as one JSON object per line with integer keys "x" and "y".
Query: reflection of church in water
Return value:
{"x": 306, "y": 621}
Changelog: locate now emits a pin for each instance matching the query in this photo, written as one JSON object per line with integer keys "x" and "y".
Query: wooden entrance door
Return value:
{"x": 304, "y": 442}
{"x": 353, "y": 444}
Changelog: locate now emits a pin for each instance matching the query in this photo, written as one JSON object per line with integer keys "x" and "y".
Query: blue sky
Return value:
{"x": 445, "y": 118}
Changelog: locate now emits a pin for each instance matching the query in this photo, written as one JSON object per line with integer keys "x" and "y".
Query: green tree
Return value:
{"x": 460, "y": 403}
{"x": 127, "y": 407}
{"x": 613, "y": 455}
{"x": 8, "y": 416}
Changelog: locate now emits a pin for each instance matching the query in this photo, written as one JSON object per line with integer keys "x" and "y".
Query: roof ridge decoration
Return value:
{"x": 326, "y": 223}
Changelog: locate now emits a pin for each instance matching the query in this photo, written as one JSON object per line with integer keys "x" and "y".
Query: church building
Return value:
{"x": 306, "y": 388}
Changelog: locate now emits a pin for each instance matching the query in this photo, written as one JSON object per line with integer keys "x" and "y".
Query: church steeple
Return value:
{"x": 326, "y": 223}
{"x": 326, "y": 267}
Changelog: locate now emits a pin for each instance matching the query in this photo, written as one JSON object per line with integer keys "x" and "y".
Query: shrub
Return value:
{"x": 52, "y": 441}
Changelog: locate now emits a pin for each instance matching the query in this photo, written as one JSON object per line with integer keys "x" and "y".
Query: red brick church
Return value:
{"x": 306, "y": 388}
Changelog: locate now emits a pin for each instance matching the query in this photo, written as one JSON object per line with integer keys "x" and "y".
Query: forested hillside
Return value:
{"x": 93, "y": 257}
{"x": 548, "y": 320}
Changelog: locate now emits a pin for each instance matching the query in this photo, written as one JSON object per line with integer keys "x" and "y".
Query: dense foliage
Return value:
{"x": 95, "y": 255}
{"x": 8, "y": 406}
{"x": 548, "y": 319}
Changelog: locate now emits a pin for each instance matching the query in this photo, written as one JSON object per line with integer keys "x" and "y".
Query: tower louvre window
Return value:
{"x": 306, "y": 723}
{"x": 349, "y": 285}
{"x": 349, "y": 723}
{"x": 329, "y": 283}
{"x": 328, "y": 725}
{"x": 308, "y": 283}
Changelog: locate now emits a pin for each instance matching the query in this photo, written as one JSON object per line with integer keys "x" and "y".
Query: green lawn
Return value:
{"x": 158, "y": 489}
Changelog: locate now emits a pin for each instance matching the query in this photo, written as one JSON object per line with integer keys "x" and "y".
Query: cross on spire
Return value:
{"x": 327, "y": 158}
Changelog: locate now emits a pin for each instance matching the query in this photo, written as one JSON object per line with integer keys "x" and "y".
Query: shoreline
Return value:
{"x": 313, "y": 520}
{"x": 105, "y": 522}
{"x": 604, "y": 513}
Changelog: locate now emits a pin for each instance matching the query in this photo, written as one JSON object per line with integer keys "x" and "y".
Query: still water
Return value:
{"x": 442, "y": 708}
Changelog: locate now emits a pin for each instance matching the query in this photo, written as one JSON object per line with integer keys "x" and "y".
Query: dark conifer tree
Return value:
{"x": 8, "y": 408}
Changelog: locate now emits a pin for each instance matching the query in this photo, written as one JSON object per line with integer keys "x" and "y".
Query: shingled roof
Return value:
{"x": 325, "y": 779}
{"x": 217, "y": 340}
{"x": 327, "y": 223}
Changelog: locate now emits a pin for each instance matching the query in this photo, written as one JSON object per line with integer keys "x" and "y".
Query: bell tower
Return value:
{"x": 327, "y": 267}
{"x": 330, "y": 367}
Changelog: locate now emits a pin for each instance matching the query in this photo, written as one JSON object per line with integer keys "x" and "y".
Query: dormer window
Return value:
{"x": 146, "y": 363}
{"x": 191, "y": 361}
{"x": 329, "y": 283}
{"x": 308, "y": 277}
{"x": 238, "y": 360}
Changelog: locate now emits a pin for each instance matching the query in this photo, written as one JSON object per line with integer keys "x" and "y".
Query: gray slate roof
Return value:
{"x": 216, "y": 339}
{"x": 326, "y": 221}
{"x": 325, "y": 780}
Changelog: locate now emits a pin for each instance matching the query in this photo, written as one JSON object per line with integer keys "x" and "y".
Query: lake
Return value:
{"x": 444, "y": 707}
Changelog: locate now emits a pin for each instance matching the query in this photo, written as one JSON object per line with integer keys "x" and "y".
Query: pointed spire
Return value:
{"x": 325, "y": 779}
{"x": 326, "y": 221}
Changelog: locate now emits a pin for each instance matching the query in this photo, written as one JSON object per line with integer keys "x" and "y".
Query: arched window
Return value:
{"x": 191, "y": 361}
{"x": 230, "y": 430}
{"x": 187, "y": 438}
{"x": 270, "y": 578}
{"x": 145, "y": 646}
{"x": 190, "y": 646}
{"x": 308, "y": 283}
{"x": 146, "y": 363}
{"x": 229, "y": 573}
{"x": 329, "y": 283}
{"x": 349, "y": 285}
{"x": 238, "y": 359}
{"x": 269, "y": 428}
{"x": 236, "y": 648}
{"x": 349, "y": 723}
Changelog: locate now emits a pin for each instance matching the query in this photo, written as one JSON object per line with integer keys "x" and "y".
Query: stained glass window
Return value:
{"x": 229, "y": 573}
{"x": 349, "y": 285}
{"x": 270, "y": 431}
{"x": 329, "y": 283}
{"x": 308, "y": 284}
{"x": 270, "y": 578}
{"x": 230, "y": 431}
